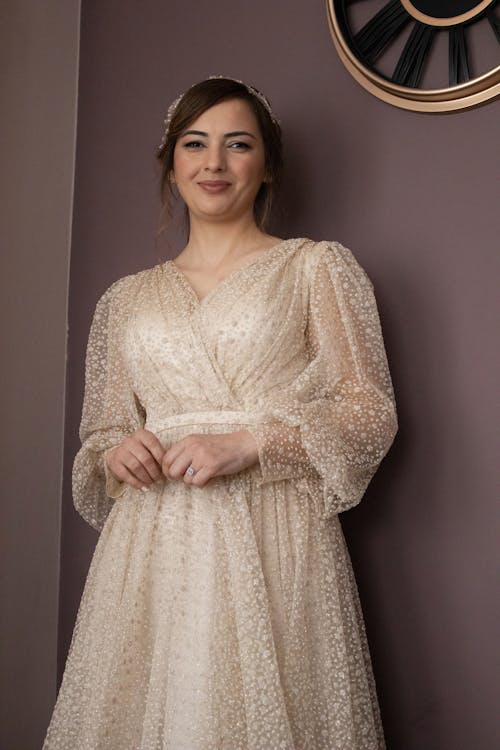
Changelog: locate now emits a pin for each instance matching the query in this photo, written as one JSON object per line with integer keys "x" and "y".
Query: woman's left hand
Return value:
{"x": 210, "y": 456}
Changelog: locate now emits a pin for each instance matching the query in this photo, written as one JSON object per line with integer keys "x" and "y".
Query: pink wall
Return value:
{"x": 38, "y": 91}
{"x": 414, "y": 197}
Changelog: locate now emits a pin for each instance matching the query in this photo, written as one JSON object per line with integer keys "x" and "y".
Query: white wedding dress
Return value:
{"x": 227, "y": 617}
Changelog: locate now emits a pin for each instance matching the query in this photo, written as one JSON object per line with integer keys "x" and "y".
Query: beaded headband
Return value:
{"x": 251, "y": 90}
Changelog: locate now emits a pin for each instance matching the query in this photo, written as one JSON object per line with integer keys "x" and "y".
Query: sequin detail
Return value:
{"x": 227, "y": 617}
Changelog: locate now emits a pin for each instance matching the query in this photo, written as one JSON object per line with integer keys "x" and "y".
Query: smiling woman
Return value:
{"x": 198, "y": 101}
{"x": 219, "y": 163}
{"x": 237, "y": 400}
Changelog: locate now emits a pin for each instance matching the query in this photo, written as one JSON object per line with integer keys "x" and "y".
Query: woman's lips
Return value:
{"x": 214, "y": 186}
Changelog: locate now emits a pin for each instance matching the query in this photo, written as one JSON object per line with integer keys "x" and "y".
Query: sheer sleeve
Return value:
{"x": 110, "y": 408}
{"x": 338, "y": 419}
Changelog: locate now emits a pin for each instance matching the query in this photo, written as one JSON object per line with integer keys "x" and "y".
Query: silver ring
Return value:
{"x": 190, "y": 471}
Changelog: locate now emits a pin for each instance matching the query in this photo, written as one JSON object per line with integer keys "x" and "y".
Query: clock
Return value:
{"x": 424, "y": 55}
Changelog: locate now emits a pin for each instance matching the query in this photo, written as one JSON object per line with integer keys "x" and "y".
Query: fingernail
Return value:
{"x": 144, "y": 489}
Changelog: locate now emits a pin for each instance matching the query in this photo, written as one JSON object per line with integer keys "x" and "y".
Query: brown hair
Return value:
{"x": 197, "y": 100}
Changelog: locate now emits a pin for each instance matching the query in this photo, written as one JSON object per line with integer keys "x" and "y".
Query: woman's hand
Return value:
{"x": 137, "y": 459}
{"x": 210, "y": 456}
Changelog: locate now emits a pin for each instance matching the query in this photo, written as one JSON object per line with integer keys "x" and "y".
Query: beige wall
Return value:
{"x": 38, "y": 79}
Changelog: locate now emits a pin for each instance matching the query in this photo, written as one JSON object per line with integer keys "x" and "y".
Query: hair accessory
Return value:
{"x": 251, "y": 90}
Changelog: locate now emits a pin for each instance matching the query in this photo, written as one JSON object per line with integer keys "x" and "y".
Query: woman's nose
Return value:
{"x": 215, "y": 158}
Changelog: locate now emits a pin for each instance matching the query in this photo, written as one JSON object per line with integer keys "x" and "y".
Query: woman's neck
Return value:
{"x": 215, "y": 244}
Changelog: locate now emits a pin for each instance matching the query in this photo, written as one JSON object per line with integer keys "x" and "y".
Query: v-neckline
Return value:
{"x": 227, "y": 279}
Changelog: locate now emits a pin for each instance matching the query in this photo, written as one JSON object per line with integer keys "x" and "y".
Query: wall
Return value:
{"x": 38, "y": 74}
{"x": 414, "y": 197}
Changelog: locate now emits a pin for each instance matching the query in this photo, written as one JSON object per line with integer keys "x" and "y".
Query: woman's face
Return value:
{"x": 219, "y": 162}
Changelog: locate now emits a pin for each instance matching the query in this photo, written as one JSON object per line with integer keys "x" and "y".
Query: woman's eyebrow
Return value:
{"x": 194, "y": 132}
{"x": 227, "y": 135}
{"x": 238, "y": 132}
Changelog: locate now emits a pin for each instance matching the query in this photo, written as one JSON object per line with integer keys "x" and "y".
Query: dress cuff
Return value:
{"x": 281, "y": 454}
{"x": 114, "y": 488}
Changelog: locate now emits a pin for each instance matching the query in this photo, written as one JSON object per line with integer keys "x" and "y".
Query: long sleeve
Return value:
{"x": 337, "y": 420}
{"x": 110, "y": 409}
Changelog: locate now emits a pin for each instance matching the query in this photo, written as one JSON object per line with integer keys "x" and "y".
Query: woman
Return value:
{"x": 237, "y": 399}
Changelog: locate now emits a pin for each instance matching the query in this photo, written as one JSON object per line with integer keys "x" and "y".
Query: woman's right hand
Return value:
{"x": 137, "y": 459}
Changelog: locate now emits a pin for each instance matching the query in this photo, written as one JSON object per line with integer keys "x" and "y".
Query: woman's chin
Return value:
{"x": 221, "y": 212}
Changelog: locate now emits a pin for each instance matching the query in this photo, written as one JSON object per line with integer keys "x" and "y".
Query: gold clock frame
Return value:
{"x": 463, "y": 96}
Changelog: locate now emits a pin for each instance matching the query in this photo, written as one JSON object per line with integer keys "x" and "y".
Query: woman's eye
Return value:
{"x": 239, "y": 146}
{"x": 193, "y": 145}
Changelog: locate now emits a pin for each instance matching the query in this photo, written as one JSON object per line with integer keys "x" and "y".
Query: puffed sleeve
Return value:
{"x": 110, "y": 408}
{"x": 337, "y": 420}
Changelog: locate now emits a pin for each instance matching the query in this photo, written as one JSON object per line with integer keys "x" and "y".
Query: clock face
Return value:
{"x": 425, "y": 55}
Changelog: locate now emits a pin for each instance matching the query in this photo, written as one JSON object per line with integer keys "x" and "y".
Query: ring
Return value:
{"x": 190, "y": 471}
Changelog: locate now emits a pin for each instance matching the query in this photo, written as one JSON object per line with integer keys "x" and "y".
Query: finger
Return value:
{"x": 178, "y": 467}
{"x": 171, "y": 455}
{"x": 200, "y": 479}
{"x": 188, "y": 477}
{"x": 126, "y": 476}
{"x": 136, "y": 468}
{"x": 151, "y": 442}
{"x": 147, "y": 460}
{"x": 174, "y": 450}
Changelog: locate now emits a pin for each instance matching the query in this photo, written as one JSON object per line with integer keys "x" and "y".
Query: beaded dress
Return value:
{"x": 227, "y": 617}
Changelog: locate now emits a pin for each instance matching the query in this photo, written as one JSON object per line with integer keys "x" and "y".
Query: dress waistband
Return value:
{"x": 204, "y": 417}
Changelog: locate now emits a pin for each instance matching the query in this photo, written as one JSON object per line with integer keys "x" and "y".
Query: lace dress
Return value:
{"x": 227, "y": 617}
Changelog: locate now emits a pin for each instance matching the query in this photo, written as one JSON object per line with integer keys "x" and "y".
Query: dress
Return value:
{"x": 227, "y": 617}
